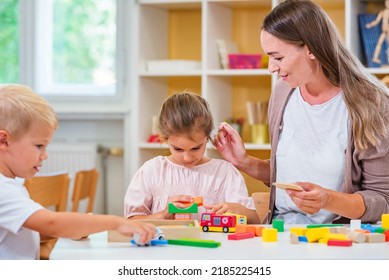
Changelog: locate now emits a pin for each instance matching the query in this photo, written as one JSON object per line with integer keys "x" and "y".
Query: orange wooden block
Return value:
{"x": 198, "y": 200}
{"x": 258, "y": 230}
{"x": 240, "y": 228}
{"x": 362, "y": 230}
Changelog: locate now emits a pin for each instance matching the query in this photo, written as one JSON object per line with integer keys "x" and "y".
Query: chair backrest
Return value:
{"x": 49, "y": 190}
{"x": 85, "y": 185}
{"x": 262, "y": 203}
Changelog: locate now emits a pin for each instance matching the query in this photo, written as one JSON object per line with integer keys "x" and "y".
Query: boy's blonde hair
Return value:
{"x": 20, "y": 107}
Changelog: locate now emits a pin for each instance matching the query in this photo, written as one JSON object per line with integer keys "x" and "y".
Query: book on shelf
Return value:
{"x": 369, "y": 40}
{"x": 224, "y": 48}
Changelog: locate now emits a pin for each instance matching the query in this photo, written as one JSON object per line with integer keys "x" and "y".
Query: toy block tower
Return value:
{"x": 184, "y": 213}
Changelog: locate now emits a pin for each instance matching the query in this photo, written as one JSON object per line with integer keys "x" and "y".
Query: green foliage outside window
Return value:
{"x": 9, "y": 41}
{"x": 84, "y": 41}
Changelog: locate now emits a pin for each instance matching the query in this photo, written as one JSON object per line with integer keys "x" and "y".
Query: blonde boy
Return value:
{"x": 27, "y": 125}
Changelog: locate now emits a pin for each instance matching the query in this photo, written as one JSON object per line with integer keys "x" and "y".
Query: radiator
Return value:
{"x": 70, "y": 158}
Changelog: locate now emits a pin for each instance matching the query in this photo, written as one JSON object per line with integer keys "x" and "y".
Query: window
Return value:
{"x": 76, "y": 47}
{"x": 63, "y": 49}
{"x": 9, "y": 41}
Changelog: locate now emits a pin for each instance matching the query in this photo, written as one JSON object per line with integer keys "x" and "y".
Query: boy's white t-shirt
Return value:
{"x": 311, "y": 148}
{"x": 16, "y": 206}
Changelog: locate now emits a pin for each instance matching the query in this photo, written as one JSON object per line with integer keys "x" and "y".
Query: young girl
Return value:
{"x": 185, "y": 122}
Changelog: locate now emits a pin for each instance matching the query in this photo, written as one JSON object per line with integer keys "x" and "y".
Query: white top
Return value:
{"x": 216, "y": 181}
{"x": 16, "y": 242}
{"x": 312, "y": 149}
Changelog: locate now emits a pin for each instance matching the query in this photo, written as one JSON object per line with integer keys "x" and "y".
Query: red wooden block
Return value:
{"x": 239, "y": 236}
{"x": 386, "y": 233}
{"x": 344, "y": 243}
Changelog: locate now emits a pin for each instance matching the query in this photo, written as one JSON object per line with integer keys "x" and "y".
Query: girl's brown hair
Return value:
{"x": 183, "y": 114}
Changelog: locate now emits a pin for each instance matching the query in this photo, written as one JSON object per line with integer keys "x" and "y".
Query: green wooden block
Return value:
{"x": 194, "y": 208}
{"x": 323, "y": 225}
{"x": 195, "y": 242}
{"x": 278, "y": 224}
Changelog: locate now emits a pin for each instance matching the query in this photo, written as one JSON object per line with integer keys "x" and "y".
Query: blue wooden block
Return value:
{"x": 303, "y": 238}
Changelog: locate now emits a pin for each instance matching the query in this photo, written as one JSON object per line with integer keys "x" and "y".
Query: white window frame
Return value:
{"x": 35, "y": 60}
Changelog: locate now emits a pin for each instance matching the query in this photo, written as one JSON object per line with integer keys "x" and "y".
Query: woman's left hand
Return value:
{"x": 311, "y": 200}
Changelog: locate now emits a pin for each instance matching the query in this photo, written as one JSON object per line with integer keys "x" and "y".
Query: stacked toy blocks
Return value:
{"x": 338, "y": 235}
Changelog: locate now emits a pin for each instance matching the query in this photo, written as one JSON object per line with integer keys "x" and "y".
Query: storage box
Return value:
{"x": 244, "y": 61}
{"x": 170, "y": 65}
{"x": 172, "y": 229}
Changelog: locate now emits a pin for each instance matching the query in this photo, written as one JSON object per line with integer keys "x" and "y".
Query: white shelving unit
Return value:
{"x": 188, "y": 29}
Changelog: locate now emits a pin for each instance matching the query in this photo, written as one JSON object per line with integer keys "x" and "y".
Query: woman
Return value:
{"x": 328, "y": 122}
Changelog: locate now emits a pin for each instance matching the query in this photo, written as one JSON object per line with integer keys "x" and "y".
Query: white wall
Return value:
{"x": 107, "y": 132}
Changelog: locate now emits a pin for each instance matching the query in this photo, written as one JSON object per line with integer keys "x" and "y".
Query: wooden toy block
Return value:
{"x": 195, "y": 242}
{"x": 314, "y": 234}
{"x": 174, "y": 210}
{"x": 386, "y": 233}
{"x": 299, "y": 231}
{"x": 241, "y": 235}
{"x": 379, "y": 230}
{"x": 240, "y": 228}
{"x": 369, "y": 227}
{"x": 182, "y": 216}
{"x": 335, "y": 236}
{"x": 362, "y": 231}
{"x": 322, "y": 241}
{"x": 345, "y": 243}
{"x": 269, "y": 234}
{"x": 172, "y": 229}
{"x": 385, "y": 221}
{"x": 338, "y": 230}
{"x": 198, "y": 200}
{"x": 294, "y": 239}
{"x": 245, "y": 228}
{"x": 357, "y": 237}
{"x": 375, "y": 238}
{"x": 303, "y": 238}
{"x": 355, "y": 224}
{"x": 278, "y": 224}
{"x": 324, "y": 225}
{"x": 288, "y": 186}
{"x": 258, "y": 230}
{"x": 177, "y": 232}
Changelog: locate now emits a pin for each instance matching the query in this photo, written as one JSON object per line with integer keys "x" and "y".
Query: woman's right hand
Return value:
{"x": 229, "y": 144}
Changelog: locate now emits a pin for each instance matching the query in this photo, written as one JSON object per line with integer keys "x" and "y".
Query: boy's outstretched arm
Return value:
{"x": 77, "y": 225}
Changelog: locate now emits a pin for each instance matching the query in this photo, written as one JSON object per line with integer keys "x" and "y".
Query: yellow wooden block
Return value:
{"x": 385, "y": 220}
{"x": 314, "y": 234}
{"x": 298, "y": 231}
{"x": 334, "y": 236}
{"x": 322, "y": 241}
{"x": 269, "y": 234}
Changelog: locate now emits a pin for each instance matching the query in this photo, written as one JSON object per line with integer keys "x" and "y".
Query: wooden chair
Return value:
{"x": 85, "y": 186}
{"x": 262, "y": 202}
{"x": 49, "y": 191}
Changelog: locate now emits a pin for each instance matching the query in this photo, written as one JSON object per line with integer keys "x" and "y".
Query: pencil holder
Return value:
{"x": 259, "y": 133}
